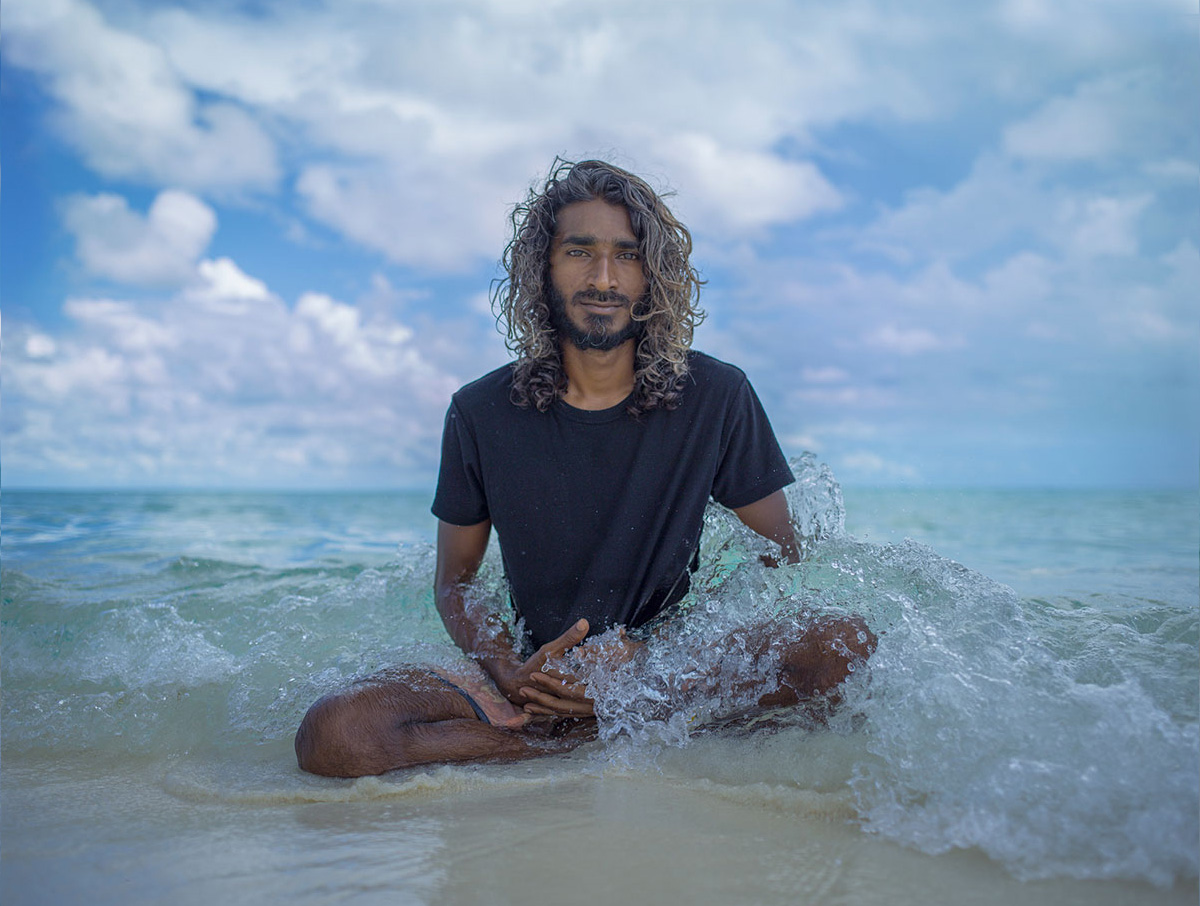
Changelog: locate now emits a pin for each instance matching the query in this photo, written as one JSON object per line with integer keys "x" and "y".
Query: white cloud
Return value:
{"x": 744, "y": 190}
{"x": 210, "y": 386}
{"x": 1161, "y": 317}
{"x": 843, "y": 398}
{"x": 1026, "y": 275}
{"x": 909, "y": 340}
{"x": 798, "y": 443}
{"x": 40, "y": 346}
{"x": 864, "y": 464}
{"x": 1005, "y": 178}
{"x": 417, "y": 126}
{"x": 1103, "y": 226}
{"x": 337, "y": 320}
{"x": 826, "y": 375}
{"x": 158, "y": 249}
{"x": 994, "y": 201}
{"x": 121, "y": 325}
{"x": 124, "y": 106}
{"x": 1176, "y": 170}
{"x": 222, "y": 285}
{"x": 1078, "y": 127}
{"x": 426, "y": 219}
{"x": 1115, "y": 114}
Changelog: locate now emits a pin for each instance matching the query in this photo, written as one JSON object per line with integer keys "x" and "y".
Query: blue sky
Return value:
{"x": 249, "y": 244}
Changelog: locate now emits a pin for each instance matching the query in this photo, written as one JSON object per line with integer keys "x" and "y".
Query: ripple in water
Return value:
{"x": 1059, "y": 739}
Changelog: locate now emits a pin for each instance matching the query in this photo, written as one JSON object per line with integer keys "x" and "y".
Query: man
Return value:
{"x": 593, "y": 456}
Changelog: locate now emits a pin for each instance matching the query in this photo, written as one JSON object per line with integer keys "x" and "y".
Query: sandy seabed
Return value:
{"x": 248, "y": 827}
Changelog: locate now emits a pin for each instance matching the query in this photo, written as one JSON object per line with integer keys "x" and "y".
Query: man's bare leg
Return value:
{"x": 815, "y": 662}
{"x": 827, "y": 651}
{"x": 411, "y": 716}
{"x": 810, "y": 664}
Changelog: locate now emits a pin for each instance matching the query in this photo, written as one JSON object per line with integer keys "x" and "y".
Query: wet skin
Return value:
{"x": 408, "y": 716}
{"x": 596, "y": 274}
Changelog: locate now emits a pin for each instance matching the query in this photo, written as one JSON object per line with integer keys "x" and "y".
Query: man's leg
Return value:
{"x": 811, "y": 663}
{"x": 411, "y": 716}
{"x": 819, "y": 660}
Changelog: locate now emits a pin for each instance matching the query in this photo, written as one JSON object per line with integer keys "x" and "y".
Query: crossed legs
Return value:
{"x": 411, "y": 715}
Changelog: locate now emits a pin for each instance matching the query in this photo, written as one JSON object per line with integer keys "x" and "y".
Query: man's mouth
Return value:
{"x": 601, "y": 302}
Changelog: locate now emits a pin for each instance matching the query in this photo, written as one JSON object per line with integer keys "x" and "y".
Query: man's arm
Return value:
{"x": 771, "y": 519}
{"x": 460, "y": 550}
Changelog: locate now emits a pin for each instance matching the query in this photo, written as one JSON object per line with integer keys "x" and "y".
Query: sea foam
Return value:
{"x": 1057, "y": 736}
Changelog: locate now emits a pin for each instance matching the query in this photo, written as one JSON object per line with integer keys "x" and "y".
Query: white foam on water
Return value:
{"x": 987, "y": 739}
{"x": 1059, "y": 740}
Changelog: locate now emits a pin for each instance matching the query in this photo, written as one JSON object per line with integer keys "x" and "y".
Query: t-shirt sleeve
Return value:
{"x": 460, "y": 498}
{"x": 752, "y": 466}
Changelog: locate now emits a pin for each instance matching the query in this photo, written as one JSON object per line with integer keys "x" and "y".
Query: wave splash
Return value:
{"x": 1059, "y": 739}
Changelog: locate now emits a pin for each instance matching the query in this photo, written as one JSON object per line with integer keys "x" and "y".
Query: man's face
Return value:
{"x": 595, "y": 275}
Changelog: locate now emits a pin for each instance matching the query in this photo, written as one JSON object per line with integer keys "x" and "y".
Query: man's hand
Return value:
{"x": 547, "y": 691}
{"x": 556, "y": 692}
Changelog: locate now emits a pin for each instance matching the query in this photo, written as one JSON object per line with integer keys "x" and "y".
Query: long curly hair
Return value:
{"x": 668, "y": 313}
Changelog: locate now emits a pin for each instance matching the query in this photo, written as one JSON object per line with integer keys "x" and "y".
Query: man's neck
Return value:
{"x": 596, "y": 379}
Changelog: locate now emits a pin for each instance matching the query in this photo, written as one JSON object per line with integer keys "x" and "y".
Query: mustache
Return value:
{"x": 603, "y": 298}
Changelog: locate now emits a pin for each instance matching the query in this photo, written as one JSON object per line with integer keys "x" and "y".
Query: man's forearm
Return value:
{"x": 770, "y": 518}
{"x": 479, "y": 633}
{"x": 483, "y": 634}
{"x": 475, "y": 629}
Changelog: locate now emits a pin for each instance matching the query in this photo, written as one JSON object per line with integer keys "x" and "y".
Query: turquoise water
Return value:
{"x": 1034, "y": 695}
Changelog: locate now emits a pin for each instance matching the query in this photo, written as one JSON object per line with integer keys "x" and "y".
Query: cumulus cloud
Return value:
{"x": 418, "y": 143}
{"x": 121, "y": 326}
{"x": 1103, "y": 226}
{"x": 125, "y": 108}
{"x": 1010, "y": 298}
{"x": 909, "y": 340}
{"x": 161, "y": 248}
{"x": 221, "y": 285}
{"x": 744, "y": 190}
{"x": 1098, "y": 119}
{"x": 827, "y": 375}
{"x": 864, "y": 464}
{"x": 224, "y": 382}
{"x": 418, "y": 217}
{"x": 410, "y": 145}
{"x": 40, "y": 346}
{"x": 926, "y": 217}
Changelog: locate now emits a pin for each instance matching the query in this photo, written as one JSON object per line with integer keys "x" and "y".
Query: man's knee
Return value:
{"x": 328, "y": 740}
{"x": 858, "y": 640}
{"x": 825, "y": 654}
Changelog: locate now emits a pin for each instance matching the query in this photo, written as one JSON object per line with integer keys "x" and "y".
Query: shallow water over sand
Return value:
{"x": 241, "y": 829}
{"x": 159, "y": 649}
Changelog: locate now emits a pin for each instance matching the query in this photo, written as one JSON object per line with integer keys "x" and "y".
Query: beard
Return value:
{"x": 598, "y": 333}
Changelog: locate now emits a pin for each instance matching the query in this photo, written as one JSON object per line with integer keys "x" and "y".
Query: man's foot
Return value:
{"x": 470, "y": 678}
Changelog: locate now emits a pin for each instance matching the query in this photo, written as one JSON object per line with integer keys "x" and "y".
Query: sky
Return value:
{"x": 250, "y": 244}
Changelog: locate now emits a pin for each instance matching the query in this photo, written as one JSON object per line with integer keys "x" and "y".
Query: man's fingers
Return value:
{"x": 566, "y": 641}
{"x": 561, "y": 707}
{"x": 572, "y": 689}
{"x": 560, "y": 676}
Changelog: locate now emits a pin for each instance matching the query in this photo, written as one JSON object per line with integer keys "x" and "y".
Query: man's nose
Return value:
{"x": 603, "y": 275}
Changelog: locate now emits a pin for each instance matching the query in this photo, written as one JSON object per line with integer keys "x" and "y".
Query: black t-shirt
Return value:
{"x": 599, "y": 514}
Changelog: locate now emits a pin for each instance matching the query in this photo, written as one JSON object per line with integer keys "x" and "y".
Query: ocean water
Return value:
{"x": 1027, "y": 728}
